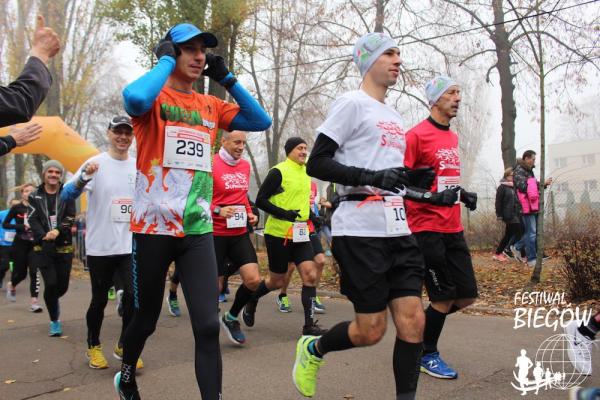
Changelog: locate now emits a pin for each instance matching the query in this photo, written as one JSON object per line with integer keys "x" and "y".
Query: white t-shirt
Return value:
{"x": 109, "y": 192}
{"x": 370, "y": 135}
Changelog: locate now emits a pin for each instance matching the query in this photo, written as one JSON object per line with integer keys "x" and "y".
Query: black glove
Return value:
{"x": 291, "y": 215}
{"x": 421, "y": 177}
{"x": 469, "y": 199}
{"x": 446, "y": 197}
{"x": 166, "y": 48}
{"x": 215, "y": 67}
{"x": 392, "y": 179}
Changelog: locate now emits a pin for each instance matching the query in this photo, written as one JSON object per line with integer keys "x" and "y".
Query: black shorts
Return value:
{"x": 449, "y": 270}
{"x": 238, "y": 249}
{"x": 315, "y": 241}
{"x": 374, "y": 271}
{"x": 282, "y": 252}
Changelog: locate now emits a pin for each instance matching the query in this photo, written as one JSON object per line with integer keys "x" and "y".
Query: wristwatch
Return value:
{"x": 217, "y": 210}
{"x": 427, "y": 195}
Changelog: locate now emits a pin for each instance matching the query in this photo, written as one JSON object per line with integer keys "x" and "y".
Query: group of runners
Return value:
{"x": 184, "y": 200}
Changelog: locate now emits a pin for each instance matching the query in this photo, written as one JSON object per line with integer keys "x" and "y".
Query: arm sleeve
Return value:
{"x": 12, "y": 213}
{"x": 20, "y": 99}
{"x": 7, "y": 143}
{"x": 140, "y": 94}
{"x": 270, "y": 186}
{"x": 520, "y": 180}
{"x": 75, "y": 187}
{"x": 251, "y": 116}
{"x": 321, "y": 164}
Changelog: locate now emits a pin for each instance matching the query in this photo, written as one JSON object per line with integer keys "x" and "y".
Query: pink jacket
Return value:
{"x": 530, "y": 201}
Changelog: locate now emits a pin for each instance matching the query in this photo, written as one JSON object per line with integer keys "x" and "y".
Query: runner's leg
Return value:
{"x": 101, "y": 278}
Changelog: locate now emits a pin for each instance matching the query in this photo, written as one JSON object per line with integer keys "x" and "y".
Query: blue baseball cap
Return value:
{"x": 183, "y": 32}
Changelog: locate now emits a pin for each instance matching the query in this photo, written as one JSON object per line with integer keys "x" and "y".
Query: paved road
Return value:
{"x": 482, "y": 349}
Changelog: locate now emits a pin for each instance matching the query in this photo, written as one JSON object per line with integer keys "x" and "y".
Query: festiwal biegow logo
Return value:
{"x": 553, "y": 366}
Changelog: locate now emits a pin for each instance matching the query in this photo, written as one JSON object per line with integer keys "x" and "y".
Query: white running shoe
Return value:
{"x": 580, "y": 349}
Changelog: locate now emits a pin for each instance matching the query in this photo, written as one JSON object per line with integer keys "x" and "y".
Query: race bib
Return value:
{"x": 239, "y": 218}
{"x": 448, "y": 182}
{"x": 187, "y": 148}
{"x": 120, "y": 209}
{"x": 300, "y": 232}
{"x": 395, "y": 216}
{"x": 9, "y": 236}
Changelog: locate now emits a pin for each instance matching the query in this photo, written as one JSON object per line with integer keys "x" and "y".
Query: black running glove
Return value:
{"x": 215, "y": 67}
{"x": 391, "y": 179}
{"x": 291, "y": 215}
{"x": 446, "y": 197}
{"x": 166, "y": 48}
{"x": 469, "y": 199}
{"x": 421, "y": 177}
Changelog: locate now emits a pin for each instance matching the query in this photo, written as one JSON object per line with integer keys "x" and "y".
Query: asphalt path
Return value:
{"x": 483, "y": 349}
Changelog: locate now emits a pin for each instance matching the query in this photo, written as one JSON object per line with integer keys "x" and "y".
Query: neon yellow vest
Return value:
{"x": 295, "y": 196}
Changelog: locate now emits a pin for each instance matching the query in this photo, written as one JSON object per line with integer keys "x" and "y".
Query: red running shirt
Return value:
{"x": 230, "y": 188}
{"x": 429, "y": 146}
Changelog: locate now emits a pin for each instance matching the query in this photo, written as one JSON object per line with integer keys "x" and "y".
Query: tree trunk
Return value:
{"x": 379, "y": 15}
{"x": 509, "y": 111}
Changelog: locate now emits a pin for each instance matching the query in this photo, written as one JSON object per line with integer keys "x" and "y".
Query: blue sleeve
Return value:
{"x": 252, "y": 117}
{"x": 139, "y": 95}
{"x": 70, "y": 191}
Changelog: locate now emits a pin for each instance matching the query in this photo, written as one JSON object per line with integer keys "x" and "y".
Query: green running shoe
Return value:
{"x": 306, "y": 368}
{"x": 112, "y": 294}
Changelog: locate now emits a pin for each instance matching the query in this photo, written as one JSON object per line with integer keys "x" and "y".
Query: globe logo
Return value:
{"x": 552, "y": 367}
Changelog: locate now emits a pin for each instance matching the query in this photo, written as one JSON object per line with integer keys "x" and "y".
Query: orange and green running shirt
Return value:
{"x": 175, "y": 138}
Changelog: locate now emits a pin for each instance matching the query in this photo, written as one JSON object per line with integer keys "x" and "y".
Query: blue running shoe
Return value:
{"x": 125, "y": 394}
{"x": 173, "y": 306}
{"x": 222, "y": 298}
{"x": 233, "y": 329}
{"x": 432, "y": 364}
{"x": 55, "y": 329}
{"x": 283, "y": 302}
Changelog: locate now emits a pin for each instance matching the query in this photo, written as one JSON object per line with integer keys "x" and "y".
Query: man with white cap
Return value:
{"x": 51, "y": 219}
{"x": 108, "y": 178}
{"x": 360, "y": 147}
{"x": 449, "y": 277}
{"x": 175, "y": 129}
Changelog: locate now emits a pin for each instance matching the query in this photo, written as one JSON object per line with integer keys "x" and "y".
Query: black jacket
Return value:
{"x": 521, "y": 173}
{"x": 20, "y": 99}
{"x": 39, "y": 219}
{"x": 507, "y": 204}
{"x": 18, "y": 212}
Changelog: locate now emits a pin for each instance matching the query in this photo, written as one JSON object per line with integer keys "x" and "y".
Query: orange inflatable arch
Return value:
{"x": 59, "y": 142}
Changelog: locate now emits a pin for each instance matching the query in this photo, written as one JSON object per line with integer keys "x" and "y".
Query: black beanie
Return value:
{"x": 291, "y": 144}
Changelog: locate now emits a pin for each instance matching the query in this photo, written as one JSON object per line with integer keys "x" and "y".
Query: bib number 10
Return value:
{"x": 189, "y": 148}
{"x": 395, "y": 216}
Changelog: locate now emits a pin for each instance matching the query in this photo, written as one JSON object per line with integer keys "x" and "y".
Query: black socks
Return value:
{"x": 434, "y": 323}
{"x": 242, "y": 296}
{"x": 336, "y": 339}
{"x": 407, "y": 359}
{"x": 308, "y": 302}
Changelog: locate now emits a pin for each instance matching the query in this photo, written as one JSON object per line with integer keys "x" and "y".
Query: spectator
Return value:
{"x": 20, "y": 99}
{"x": 527, "y": 189}
{"x": 508, "y": 211}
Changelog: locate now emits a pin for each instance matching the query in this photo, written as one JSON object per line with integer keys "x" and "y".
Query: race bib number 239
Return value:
{"x": 187, "y": 148}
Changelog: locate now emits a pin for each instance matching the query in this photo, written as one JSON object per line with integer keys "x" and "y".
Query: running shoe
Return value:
{"x": 232, "y": 329}
{"x": 432, "y": 364}
{"x": 306, "y": 367}
{"x": 516, "y": 253}
{"x": 500, "y": 257}
{"x": 173, "y": 305}
{"x": 580, "y": 349}
{"x": 111, "y": 293}
{"x": 55, "y": 329}
{"x": 319, "y": 307}
{"x": 579, "y": 393}
{"x": 283, "y": 302}
{"x": 328, "y": 253}
{"x": 120, "y": 302}
{"x": 313, "y": 330}
{"x": 96, "y": 357}
{"x": 532, "y": 263}
{"x": 508, "y": 253}
{"x": 35, "y": 306}
{"x": 11, "y": 293}
{"x": 248, "y": 313}
{"x": 118, "y": 354}
{"x": 131, "y": 394}
{"x": 546, "y": 257}
{"x": 222, "y": 298}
